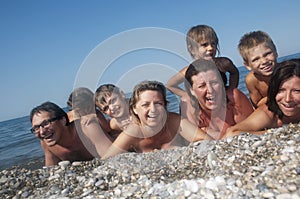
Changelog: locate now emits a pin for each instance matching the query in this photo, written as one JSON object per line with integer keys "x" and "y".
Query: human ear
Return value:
{"x": 192, "y": 92}
{"x": 247, "y": 66}
{"x": 134, "y": 110}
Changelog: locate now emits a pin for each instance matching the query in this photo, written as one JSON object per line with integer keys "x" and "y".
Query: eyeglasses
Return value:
{"x": 45, "y": 124}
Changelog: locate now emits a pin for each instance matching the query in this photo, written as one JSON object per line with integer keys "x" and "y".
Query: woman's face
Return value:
{"x": 288, "y": 97}
{"x": 150, "y": 108}
{"x": 208, "y": 89}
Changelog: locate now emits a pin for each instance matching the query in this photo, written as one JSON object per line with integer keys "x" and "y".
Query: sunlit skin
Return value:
{"x": 116, "y": 106}
{"x": 151, "y": 109}
{"x": 288, "y": 98}
{"x": 50, "y": 135}
{"x": 208, "y": 89}
{"x": 59, "y": 142}
{"x": 206, "y": 50}
{"x": 261, "y": 60}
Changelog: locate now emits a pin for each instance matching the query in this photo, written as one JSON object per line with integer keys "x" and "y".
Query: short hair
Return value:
{"x": 51, "y": 108}
{"x": 145, "y": 86}
{"x": 104, "y": 91}
{"x": 253, "y": 39}
{"x": 198, "y": 33}
{"x": 82, "y": 98}
{"x": 283, "y": 71}
{"x": 197, "y": 66}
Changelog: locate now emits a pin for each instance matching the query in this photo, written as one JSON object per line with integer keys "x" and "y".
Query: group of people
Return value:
{"x": 105, "y": 123}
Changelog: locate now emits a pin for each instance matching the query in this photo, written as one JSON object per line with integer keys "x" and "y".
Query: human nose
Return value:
{"x": 152, "y": 107}
{"x": 209, "y": 88}
{"x": 210, "y": 47}
{"x": 288, "y": 96}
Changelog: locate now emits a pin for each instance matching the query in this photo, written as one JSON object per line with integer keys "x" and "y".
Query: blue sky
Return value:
{"x": 46, "y": 44}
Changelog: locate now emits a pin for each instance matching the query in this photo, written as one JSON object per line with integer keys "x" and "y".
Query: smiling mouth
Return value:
{"x": 211, "y": 99}
{"x": 47, "y": 136}
{"x": 152, "y": 116}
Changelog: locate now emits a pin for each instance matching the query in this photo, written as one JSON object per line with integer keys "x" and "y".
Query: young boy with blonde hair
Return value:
{"x": 260, "y": 57}
{"x": 112, "y": 101}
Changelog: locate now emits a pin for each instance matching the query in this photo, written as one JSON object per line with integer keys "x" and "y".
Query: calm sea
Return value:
{"x": 18, "y": 146}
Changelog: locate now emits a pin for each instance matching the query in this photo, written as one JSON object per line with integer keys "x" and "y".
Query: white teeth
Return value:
{"x": 152, "y": 116}
{"x": 46, "y": 137}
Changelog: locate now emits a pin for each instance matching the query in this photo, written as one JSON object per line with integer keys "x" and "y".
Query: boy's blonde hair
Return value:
{"x": 253, "y": 39}
{"x": 199, "y": 33}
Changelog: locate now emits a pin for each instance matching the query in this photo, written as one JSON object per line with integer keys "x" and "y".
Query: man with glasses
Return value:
{"x": 59, "y": 140}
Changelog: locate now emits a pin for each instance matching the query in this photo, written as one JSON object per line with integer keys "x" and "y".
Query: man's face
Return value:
{"x": 47, "y": 128}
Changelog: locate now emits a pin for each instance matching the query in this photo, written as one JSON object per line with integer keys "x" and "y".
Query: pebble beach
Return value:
{"x": 245, "y": 166}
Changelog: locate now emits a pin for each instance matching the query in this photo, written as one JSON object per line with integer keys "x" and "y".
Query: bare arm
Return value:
{"x": 50, "y": 158}
{"x": 234, "y": 76}
{"x": 191, "y": 132}
{"x": 259, "y": 120}
{"x": 242, "y": 106}
{"x": 254, "y": 93}
{"x": 122, "y": 144}
{"x": 174, "y": 82}
{"x": 104, "y": 123}
{"x": 96, "y": 135}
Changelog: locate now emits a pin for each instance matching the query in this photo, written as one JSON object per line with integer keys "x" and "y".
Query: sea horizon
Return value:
{"x": 19, "y": 147}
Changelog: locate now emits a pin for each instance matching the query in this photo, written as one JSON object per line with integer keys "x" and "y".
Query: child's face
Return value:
{"x": 116, "y": 106}
{"x": 206, "y": 50}
{"x": 288, "y": 97}
{"x": 150, "y": 108}
{"x": 261, "y": 60}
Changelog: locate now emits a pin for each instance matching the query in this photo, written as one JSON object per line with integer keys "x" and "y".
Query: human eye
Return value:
{"x": 45, "y": 123}
{"x": 204, "y": 44}
{"x": 105, "y": 108}
{"x": 145, "y": 105}
{"x": 113, "y": 100}
{"x": 35, "y": 129}
{"x": 161, "y": 103}
{"x": 201, "y": 86}
{"x": 297, "y": 91}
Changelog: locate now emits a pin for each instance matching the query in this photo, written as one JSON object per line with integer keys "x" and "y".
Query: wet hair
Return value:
{"x": 52, "y": 108}
{"x": 83, "y": 99}
{"x": 198, "y": 33}
{"x": 222, "y": 62}
{"x": 200, "y": 65}
{"x": 282, "y": 72}
{"x": 146, "y": 86}
{"x": 253, "y": 39}
{"x": 105, "y": 91}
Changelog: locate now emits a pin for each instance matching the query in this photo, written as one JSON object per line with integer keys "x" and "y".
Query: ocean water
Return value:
{"x": 18, "y": 146}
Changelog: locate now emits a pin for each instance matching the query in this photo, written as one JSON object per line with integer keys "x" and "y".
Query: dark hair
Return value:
{"x": 223, "y": 62}
{"x": 51, "y": 108}
{"x": 145, "y": 86}
{"x": 82, "y": 98}
{"x": 283, "y": 71}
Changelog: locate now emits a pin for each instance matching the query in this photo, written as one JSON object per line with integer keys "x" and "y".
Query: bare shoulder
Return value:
{"x": 251, "y": 78}
{"x": 133, "y": 130}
